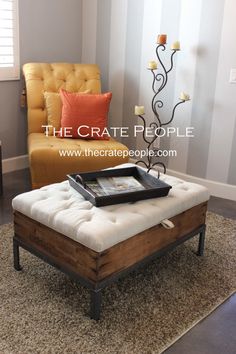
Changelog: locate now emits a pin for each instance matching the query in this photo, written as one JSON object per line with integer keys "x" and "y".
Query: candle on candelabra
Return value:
{"x": 175, "y": 46}
{"x": 139, "y": 110}
{"x": 161, "y": 39}
{"x": 152, "y": 65}
{"x": 184, "y": 96}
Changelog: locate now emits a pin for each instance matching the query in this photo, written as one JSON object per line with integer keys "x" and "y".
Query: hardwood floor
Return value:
{"x": 224, "y": 207}
{"x": 216, "y": 334}
{"x": 13, "y": 183}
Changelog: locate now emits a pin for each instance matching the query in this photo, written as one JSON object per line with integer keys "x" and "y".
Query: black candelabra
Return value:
{"x": 160, "y": 80}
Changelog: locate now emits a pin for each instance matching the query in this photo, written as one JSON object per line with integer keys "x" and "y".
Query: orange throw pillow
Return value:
{"x": 86, "y": 114}
{"x": 53, "y": 107}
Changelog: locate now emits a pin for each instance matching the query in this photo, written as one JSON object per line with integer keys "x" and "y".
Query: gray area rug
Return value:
{"x": 43, "y": 311}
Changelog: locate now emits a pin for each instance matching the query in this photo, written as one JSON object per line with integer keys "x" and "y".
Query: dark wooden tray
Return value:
{"x": 154, "y": 187}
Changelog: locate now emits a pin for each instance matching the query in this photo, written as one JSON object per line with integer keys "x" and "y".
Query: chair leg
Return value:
{"x": 16, "y": 255}
{"x": 201, "y": 243}
{"x": 95, "y": 304}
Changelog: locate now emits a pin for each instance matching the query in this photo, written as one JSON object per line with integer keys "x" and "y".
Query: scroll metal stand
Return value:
{"x": 159, "y": 82}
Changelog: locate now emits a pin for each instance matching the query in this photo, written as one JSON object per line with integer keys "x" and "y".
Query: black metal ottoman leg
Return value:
{"x": 201, "y": 242}
{"x": 95, "y": 304}
{"x": 16, "y": 255}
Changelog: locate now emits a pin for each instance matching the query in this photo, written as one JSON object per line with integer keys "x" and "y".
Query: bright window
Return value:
{"x": 9, "y": 40}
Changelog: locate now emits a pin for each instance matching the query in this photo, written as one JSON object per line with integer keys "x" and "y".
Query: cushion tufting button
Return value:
{"x": 184, "y": 188}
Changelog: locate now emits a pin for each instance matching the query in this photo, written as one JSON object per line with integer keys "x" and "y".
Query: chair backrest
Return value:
{"x": 40, "y": 77}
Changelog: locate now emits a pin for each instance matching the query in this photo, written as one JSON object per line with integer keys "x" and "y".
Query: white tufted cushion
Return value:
{"x": 61, "y": 208}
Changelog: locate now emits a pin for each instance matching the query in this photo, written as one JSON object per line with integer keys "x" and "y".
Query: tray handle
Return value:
{"x": 79, "y": 179}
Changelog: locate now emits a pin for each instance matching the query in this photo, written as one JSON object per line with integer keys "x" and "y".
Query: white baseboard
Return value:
{"x": 217, "y": 189}
{"x": 15, "y": 163}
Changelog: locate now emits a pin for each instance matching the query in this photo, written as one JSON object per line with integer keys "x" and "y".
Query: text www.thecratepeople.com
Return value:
{"x": 117, "y": 153}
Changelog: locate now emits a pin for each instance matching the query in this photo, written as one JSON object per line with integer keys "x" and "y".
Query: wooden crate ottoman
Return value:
{"x": 98, "y": 245}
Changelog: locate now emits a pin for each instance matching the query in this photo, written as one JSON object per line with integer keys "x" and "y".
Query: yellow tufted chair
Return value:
{"x": 46, "y": 164}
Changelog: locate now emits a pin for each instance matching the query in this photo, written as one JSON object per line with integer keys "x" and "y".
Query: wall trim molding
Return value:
{"x": 15, "y": 163}
{"x": 217, "y": 189}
